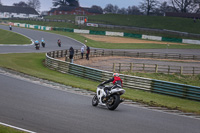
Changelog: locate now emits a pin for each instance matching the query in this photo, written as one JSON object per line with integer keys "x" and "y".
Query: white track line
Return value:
{"x": 21, "y": 129}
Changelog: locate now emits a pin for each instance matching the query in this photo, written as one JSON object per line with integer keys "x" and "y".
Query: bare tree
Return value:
{"x": 34, "y": 4}
{"x": 21, "y": 4}
{"x": 97, "y": 8}
{"x": 134, "y": 10}
{"x": 186, "y": 6}
{"x": 66, "y": 2}
{"x": 111, "y": 8}
{"x": 122, "y": 11}
{"x": 148, "y": 6}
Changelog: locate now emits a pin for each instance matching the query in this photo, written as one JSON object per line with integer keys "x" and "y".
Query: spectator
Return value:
{"x": 10, "y": 26}
{"x": 71, "y": 54}
{"x": 194, "y": 20}
{"x": 82, "y": 52}
{"x": 88, "y": 52}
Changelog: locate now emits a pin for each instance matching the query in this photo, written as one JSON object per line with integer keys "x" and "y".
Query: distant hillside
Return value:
{"x": 156, "y": 22}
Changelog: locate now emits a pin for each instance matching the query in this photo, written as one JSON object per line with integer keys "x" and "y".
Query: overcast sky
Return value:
{"x": 47, "y": 4}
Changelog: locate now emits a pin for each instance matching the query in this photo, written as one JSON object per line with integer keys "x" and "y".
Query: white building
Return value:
{"x": 17, "y": 12}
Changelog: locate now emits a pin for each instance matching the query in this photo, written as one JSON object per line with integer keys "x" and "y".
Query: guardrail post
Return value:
{"x": 53, "y": 54}
{"x": 57, "y": 53}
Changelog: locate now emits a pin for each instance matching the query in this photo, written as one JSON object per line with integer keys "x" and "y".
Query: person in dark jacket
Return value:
{"x": 71, "y": 54}
{"x": 88, "y": 52}
{"x": 116, "y": 80}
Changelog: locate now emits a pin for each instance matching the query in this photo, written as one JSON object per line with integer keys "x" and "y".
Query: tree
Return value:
{"x": 122, "y": 11}
{"x": 21, "y": 4}
{"x": 148, "y": 6}
{"x": 66, "y": 2}
{"x": 133, "y": 10}
{"x": 111, "y": 8}
{"x": 97, "y": 8}
{"x": 185, "y": 6}
{"x": 34, "y": 4}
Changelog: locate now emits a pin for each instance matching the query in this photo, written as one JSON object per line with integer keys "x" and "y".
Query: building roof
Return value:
{"x": 16, "y": 9}
{"x": 71, "y": 8}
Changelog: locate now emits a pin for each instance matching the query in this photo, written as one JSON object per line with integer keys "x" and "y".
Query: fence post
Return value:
{"x": 168, "y": 69}
{"x": 119, "y": 67}
{"x": 131, "y": 67}
{"x": 156, "y": 70}
{"x": 181, "y": 70}
{"x": 113, "y": 67}
{"x": 143, "y": 66}
{"x": 193, "y": 71}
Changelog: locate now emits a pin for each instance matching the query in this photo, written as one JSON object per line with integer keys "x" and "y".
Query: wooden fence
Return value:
{"x": 155, "y": 68}
{"x": 133, "y": 82}
{"x": 99, "y": 53}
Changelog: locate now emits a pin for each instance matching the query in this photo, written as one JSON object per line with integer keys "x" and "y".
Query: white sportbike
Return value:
{"x": 112, "y": 100}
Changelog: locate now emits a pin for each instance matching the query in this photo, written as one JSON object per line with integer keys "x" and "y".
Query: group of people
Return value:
{"x": 37, "y": 43}
{"x": 71, "y": 53}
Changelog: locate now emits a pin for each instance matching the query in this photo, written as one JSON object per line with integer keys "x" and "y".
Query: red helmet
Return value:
{"x": 115, "y": 74}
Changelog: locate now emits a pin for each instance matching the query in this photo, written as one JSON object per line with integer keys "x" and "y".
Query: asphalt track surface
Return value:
{"x": 44, "y": 109}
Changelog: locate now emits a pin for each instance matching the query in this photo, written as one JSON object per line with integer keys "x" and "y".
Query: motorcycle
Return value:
{"x": 112, "y": 100}
{"x": 59, "y": 44}
{"x": 43, "y": 44}
{"x": 37, "y": 46}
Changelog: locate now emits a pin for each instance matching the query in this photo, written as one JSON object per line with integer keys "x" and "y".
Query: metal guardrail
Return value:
{"x": 133, "y": 82}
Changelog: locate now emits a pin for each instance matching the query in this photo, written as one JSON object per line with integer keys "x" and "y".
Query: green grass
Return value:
{"x": 8, "y": 37}
{"x": 4, "y": 129}
{"x": 155, "y": 22}
{"x": 31, "y": 64}
{"x": 104, "y": 45}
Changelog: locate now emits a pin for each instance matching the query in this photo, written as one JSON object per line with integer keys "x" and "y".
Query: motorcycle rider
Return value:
{"x": 59, "y": 42}
{"x": 117, "y": 82}
{"x": 37, "y": 44}
{"x": 43, "y": 42}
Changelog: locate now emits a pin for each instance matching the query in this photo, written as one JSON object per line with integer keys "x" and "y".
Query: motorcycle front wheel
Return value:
{"x": 95, "y": 100}
{"x": 113, "y": 102}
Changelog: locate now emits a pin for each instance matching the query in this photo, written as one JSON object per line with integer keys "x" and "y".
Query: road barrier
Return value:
{"x": 109, "y": 33}
{"x": 133, "y": 82}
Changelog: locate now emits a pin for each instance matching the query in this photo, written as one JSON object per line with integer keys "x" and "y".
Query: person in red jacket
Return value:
{"x": 116, "y": 80}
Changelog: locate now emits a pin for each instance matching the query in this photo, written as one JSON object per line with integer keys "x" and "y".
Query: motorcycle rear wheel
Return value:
{"x": 113, "y": 105}
{"x": 95, "y": 100}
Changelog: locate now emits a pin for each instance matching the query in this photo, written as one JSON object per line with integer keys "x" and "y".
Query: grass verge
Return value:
{"x": 8, "y": 37}
{"x": 104, "y": 45}
{"x": 4, "y": 129}
{"x": 31, "y": 64}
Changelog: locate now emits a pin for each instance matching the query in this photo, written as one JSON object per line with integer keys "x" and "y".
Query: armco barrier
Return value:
{"x": 133, "y": 82}
{"x": 140, "y": 36}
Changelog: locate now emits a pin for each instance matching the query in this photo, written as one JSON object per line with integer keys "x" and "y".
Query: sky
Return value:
{"x": 47, "y": 4}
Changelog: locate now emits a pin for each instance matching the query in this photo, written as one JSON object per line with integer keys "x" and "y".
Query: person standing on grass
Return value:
{"x": 71, "y": 54}
{"x": 88, "y": 52}
{"x": 82, "y": 52}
